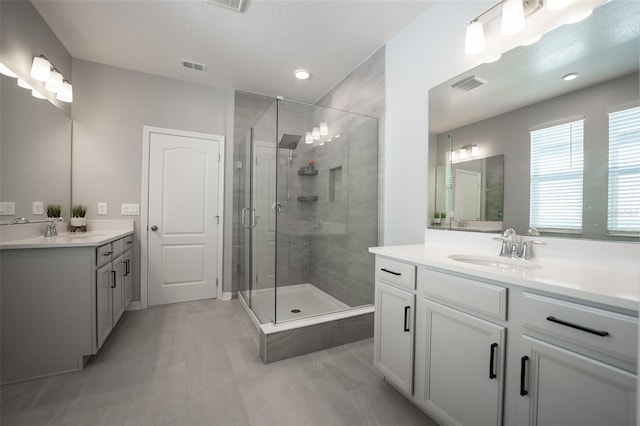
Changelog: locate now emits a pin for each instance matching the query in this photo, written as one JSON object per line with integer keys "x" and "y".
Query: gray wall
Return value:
{"x": 508, "y": 134}
{"x": 25, "y": 35}
{"x": 111, "y": 106}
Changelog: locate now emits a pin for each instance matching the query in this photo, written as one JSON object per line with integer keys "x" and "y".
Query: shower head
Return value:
{"x": 289, "y": 141}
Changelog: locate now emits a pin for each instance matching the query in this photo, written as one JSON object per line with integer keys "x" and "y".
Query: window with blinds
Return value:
{"x": 623, "y": 215}
{"x": 556, "y": 178}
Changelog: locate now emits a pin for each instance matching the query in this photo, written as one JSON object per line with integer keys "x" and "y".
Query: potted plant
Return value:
{"x": 54, "y": 210}
{"x": 443, "y": 216}
{"x": 78, "y": 212}
{"x": 436, "y": 218}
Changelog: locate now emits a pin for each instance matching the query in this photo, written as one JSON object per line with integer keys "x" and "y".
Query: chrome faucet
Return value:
{"x": 19, "y": 220}
{"x": 511, "y": 245}
{"x": 51, "y": 230}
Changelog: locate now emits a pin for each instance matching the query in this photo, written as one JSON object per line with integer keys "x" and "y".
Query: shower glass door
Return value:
{"x": 256, "y": 240}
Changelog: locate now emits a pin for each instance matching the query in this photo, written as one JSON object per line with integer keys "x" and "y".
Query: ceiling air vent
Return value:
{"x": 193, "y": 65}
{"x": 469, "y": 83}
{"x": 228, "y": 4}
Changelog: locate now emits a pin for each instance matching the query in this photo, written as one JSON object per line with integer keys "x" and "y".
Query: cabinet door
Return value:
{"x": 127, "y": 278}
{"x": 393, "y": 335}
{"x": 104, "y": 323}
{"x": 118, "y": 289}
{"x": 464, "y": 371}
{"x": 562, "y": 387}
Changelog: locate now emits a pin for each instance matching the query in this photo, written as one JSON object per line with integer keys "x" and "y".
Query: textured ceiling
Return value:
{"x": 256, "y": 50}
{"x": 602, "y": 47}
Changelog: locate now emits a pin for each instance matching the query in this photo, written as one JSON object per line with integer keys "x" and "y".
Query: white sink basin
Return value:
{"x": 70, "y": 237}
{"x": 495, "y": 261}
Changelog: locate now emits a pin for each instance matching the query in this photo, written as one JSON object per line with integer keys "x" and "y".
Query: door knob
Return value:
{"x": 154, "y": 228}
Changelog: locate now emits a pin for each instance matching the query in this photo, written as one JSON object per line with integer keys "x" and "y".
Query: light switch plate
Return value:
{"x": 7, "y": 208}
{"x": 102, "y": 208}
{"x": 38, "y": 207}
{"x": 130, "y": 209}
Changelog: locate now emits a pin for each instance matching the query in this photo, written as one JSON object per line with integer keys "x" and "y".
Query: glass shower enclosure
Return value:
{"x": 306, "y": 205}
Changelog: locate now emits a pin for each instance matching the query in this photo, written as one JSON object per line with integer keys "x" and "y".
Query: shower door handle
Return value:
{"x": 254, "y": 218}
{"x": 243, "y": 218}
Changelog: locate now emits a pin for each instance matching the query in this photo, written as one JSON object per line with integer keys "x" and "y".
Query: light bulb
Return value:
{"x": 41, "y": 69}
{"x": 474, "y": 40}
{"x": 308, "y": 138}
{"x": 324, "y": 128}
{"x": 315, "y": 132}
{"x": 512, "y": 17}
{"x": 54, "y": 84}
{"x": 463, "y": 153}
{"x": 6, "y": 71}
{"x": 475, "y": 151}
{"x": 66, "y": 94}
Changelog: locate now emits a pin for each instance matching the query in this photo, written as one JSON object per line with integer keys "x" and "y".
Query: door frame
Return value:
{"x": 144, "y": 206}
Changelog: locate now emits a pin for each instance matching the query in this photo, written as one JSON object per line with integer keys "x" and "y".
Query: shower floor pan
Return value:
{"x": 294, "y": 302}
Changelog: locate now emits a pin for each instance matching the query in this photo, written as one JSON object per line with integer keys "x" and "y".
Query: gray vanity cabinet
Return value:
{"x": 113, "y": 286}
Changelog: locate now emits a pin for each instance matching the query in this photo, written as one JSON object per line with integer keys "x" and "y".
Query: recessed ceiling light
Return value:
{"x": 302, "y": 74}
{"x": 570, "y": 76}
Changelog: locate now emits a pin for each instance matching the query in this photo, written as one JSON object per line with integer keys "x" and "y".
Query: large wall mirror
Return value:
{"x": 523, "y": 95}
{"x": 35, "y": 153}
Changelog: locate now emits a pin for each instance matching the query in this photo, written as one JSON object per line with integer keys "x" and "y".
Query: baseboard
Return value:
{"x": 227, "y": 295}
{"x": 134, "y": 306}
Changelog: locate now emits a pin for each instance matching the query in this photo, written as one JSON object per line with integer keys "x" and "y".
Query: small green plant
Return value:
{"x": 436, "y": 215}
{"x": 54, "y": 210}
{"x": 78, "y": 210}
{"x": 443, "y": 215}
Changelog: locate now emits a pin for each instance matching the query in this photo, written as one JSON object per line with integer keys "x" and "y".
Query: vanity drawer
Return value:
{"x": 395, "y": 272}
{"x": 475, "y": 296}
{"x": 117, "y": 246}
{"x": 596, "y": 329}
{"x": 103, "y": 254}
{"x": 128, "y": 242}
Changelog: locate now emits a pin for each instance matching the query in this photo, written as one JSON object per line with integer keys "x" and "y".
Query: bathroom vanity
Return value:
{"x": 477, "y": 339}
{"x": 61, "y": 297}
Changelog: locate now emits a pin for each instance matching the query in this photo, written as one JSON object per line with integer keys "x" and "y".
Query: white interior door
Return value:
{"x": 467, "y": 195}
{"x": 183, "y": 217}
{"x": 264, "y": 196}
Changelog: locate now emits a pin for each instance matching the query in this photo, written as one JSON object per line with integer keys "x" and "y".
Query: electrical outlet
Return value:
{"x": 7, "y": 208}
{"x": 130, "y": 209}
{"x": 102, "y": 208}
{"x": 38, "y": 207}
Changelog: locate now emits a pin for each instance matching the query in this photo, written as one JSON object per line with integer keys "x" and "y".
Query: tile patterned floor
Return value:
{"x": 197, "y": 364}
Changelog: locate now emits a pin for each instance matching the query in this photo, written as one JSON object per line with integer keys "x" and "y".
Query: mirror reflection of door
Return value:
{"x": 467, "y": 196}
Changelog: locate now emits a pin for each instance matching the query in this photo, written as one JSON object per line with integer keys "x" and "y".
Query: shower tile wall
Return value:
{"x": 341, "y": 266}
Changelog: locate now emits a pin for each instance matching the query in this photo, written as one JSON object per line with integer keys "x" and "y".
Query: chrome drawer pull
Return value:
{"x": 390, "y": 272}
{"x": 578, "y": 327}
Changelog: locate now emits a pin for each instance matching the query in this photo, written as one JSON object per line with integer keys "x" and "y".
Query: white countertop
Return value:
{"x": 582, "y": 279}
{"x": 67, "y": 239}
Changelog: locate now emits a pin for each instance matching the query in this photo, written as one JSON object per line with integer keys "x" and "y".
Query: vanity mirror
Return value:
{"x": 35, "y": 154}
{"x": 496, "y": 107}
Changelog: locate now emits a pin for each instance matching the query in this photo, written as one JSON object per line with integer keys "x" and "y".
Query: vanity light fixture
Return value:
{"x": 464, "y": 152}
{"x": 512, "y": 17}
{"x": 302, "y": 74}
{"x": 315, "y": 133}
{"x": 37, "y": 94}
{"x": 66, "y": 94}
{"x": 570, "y": 76}
{"x": 324, "y": 128}
{"x": 474, "y": 39}
{"x": 54, "y": 84}
{"x": 308, "y": 138}
{"x": 4, "y": 70}
{"x": 24, "y": 84}
{"x": 41, "y": 69}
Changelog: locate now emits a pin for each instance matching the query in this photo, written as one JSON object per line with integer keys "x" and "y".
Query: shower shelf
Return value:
{"x": 303, "y": 172}
{"x": 308, "y": 198}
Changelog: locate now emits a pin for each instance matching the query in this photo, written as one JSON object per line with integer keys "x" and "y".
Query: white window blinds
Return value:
{"x": 556, "y": 177}
{"x": 624, "y": 172}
